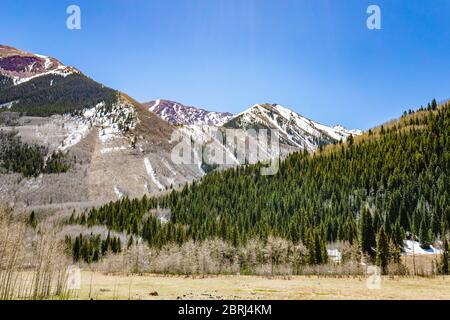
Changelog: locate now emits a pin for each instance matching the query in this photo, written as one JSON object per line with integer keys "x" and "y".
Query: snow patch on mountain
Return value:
{"x": 157, "y": 103}
{"x": 61, "y": 71}
{"x": 78, "y": 129}
{"x": 118, "y": 193}
{"x": 344, "y": 131}
{"x": 48, "y": 62}
{"x": 152, "y": 174}
{"x": 112, "y": 149}
{"x": 111, "y": 122}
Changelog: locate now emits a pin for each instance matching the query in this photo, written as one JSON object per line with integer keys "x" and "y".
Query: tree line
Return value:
{"x": 28, "y": 159}
{"x": 92, "y": 248}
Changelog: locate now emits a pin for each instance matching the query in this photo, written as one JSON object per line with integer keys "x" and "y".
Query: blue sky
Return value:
{"x": 316, "y": 57}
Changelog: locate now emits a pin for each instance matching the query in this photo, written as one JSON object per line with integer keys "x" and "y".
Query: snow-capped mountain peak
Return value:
{"x": 294, "y": 129}
{"x": 179, "y": 114}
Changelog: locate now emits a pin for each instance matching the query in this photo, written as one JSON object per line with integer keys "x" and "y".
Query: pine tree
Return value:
{"x": 434, "y": 104}
{"x": 397, "y": 235}
{"x": 445, "y": 258}
{"x": 318, "y": 247}
{"x": 76, "y": 252}
{"x": 324, "y": 255}
{"x": 444, "y": 225}
{"x": 396, "y": 254}
{"x": 366, "y": 232}
{"x": 383, "y": 252}
{"x": 350, "y": 140}
{"x": 310, "y": 244}
{"x": 424, "y": 235}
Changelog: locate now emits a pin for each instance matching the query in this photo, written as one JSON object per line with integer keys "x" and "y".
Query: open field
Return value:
{"x": 99, "y": 286}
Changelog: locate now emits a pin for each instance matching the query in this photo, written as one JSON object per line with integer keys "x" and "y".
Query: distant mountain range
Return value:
{"x": 295, "y": 130}
{"x": 121, "y": 147}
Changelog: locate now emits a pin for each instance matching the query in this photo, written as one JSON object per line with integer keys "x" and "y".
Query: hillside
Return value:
{"x": 38, "y": 85}
{"x": 71, "y": 140}
{"x": 393, "y": 179}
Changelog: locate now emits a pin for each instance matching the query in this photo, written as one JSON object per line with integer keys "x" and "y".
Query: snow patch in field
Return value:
{"x": 152, "y": 174}
{"x": 413, "y": 247}
{"x": 334, "y": 255}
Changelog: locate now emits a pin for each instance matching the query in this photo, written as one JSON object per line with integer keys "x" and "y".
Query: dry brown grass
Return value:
{"x": 422, "y": 265}
{"x": 101, "y": 286}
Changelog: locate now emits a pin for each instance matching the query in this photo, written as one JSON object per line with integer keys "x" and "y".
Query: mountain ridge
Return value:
{"x": 294, "y": 129}
{"x": 179, "y": 114}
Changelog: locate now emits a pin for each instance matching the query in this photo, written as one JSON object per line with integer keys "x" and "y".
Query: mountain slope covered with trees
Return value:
{"x": 396, "y": 175}
{"x": 39, "y": 85}
{"x": 54, "y": 94}
{"x": 389, "y": 181}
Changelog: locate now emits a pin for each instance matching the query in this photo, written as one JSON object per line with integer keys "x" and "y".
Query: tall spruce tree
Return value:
{"x": 445, "y": 258}
{"x": 366, "y": 232}
{"x": 383, "y": 251}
